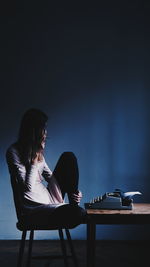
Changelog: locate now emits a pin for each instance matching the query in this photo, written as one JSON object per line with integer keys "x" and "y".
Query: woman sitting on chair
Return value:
{"x": 44, "y": 204}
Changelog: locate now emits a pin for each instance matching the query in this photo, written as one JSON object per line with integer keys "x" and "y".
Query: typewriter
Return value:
{"x": 115, "y": 200}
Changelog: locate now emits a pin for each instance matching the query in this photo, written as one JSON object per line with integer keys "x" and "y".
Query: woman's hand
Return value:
{"x": 36, "y": 159}
{"x": 76, "y": 197}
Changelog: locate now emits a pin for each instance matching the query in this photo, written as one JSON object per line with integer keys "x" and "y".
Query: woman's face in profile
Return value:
{"x": 43, "y": 139}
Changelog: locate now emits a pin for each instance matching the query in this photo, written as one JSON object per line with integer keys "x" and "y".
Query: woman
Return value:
{"x": 43, "y": 204}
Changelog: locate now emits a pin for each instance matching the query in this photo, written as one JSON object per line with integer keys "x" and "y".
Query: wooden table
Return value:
{"x": 140, "y": 214}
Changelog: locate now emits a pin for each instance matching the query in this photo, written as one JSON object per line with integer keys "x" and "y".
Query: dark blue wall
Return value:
{"x": 87, "y": 68}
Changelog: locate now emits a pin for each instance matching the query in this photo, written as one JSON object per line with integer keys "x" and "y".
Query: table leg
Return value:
{"x": 91, "y": 231}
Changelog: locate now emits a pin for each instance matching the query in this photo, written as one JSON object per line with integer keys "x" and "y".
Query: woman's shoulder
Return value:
{"x": 12, "y": 149}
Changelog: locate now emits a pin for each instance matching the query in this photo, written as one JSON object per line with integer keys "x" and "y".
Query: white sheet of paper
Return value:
{"x": 126, "y": 194}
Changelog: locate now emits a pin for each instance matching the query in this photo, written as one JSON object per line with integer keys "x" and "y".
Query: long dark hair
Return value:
{"x": 32, "y": 125}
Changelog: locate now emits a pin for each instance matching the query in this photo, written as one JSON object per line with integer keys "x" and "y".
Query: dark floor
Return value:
{"x": 108, "y": 253}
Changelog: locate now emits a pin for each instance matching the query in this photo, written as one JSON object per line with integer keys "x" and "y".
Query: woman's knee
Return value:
{"x": 69, "y": 155}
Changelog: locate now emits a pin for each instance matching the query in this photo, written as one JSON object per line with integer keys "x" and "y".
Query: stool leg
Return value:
{"x": 21, "y": 249}
{"x": 63, "y": 246}
{"x": 30, "y": 248}
{"x": 71, "y": 247}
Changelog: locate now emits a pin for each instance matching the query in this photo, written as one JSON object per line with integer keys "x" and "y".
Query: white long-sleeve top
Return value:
{"x": 31, "y": 180}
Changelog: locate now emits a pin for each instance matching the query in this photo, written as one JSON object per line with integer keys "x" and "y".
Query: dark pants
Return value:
{"x": 69, "y": 215}
{"x": 67, "y": 174}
